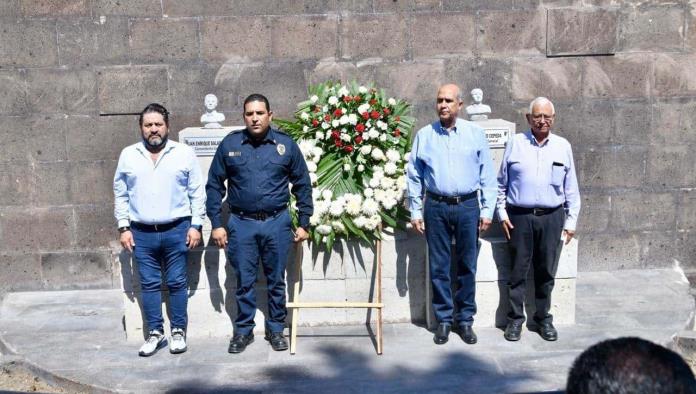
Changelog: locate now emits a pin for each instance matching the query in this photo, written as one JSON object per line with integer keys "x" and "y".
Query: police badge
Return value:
{"x": 281, "y": 149}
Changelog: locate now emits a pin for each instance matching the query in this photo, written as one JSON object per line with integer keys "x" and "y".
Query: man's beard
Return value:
{"x": 157, "y": 144}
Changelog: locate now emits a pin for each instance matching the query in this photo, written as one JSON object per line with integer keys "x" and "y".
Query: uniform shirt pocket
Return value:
{"x": 558, "y": 172}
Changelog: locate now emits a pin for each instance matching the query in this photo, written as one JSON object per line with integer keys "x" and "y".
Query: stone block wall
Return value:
{"x": 620, "y": 72}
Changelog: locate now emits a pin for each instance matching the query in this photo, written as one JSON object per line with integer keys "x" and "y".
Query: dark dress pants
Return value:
{"x": 442, "y": 221}
{"x": 534, "y": 242}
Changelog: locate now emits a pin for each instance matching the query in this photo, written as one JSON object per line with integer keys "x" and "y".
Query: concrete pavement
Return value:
{"x": 77, "y": 338}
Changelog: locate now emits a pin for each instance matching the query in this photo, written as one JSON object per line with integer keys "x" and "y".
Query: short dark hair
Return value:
{"x": 630, "y": 365}
{"x": 257, "y": 97}
{"x": 157, "y": 108}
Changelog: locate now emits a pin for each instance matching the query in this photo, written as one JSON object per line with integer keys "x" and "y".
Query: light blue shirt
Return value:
{"x": 451, "y": 163}
{"x": 539, "y": 176}
{"x": 161, "y": 192}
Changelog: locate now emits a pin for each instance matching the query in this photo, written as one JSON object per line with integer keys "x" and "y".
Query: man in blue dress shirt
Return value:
{"x": 258, "y": 163}
{"x": 160, "y": 208}
{"x": 451, "y": 188}
{"x": 538, "y": 206}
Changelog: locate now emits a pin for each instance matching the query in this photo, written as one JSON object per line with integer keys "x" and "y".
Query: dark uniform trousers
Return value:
{"x": 534, "y": 241}
{"x": 248, "y": 240}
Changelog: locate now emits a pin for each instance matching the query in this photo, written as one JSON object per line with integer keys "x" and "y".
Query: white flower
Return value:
{"x": 386, "y": 183}
{"x": 319, "y": 135}
{"x": 353, "y": 205}
{"x": 368, "y": 124}
{"x": 312, "y": 166}
{"x": 314, "y": 99}
{"x": 381, "y": 125}
{"x": 390, "y": 168}
{"x": 343, "y": 91}
{"x": 328, "y": 134}
{"x": 325, "y": 109}
{"x": 361, "y": 168}
{"x": 362, "y": 89}
{"x": 314, "y": 219}
{"x": 345, "y": 137}
{"x": 353, "y": 119}
{"x": 338, "y": 226}
{"x": 373, "y": 133}
{"x": 360, "y": 221}
{"x": 335, "y": 123}
{"x": 380, "y": 195}
{"x": 388, "y": 203}
{"x": 346, "y": 167}
{"x": 325, "y": 125}
{"x": 313, "y": 178}
{"x": 383, "y": 137}
{"x": 377, "y": 154}
{"x": 317, "y": 151}
{"x": 374, "y": 183}
{"x": 305, "y": 128}
{"x": 336, "y": 208}
{"x": 370, "y": 207}
{"x": 333, "y": 100}
{"x": 315, "y": 195}
{"x": 304, "y": 116}
{"x": 391, "y": 101}
{"x": 368, "y": 192}
{"x": 327, "y": 194}
{"x": 378, "y": 173}
{"x": 401, "y": 182}
{"x": 366, "y": 149}
{"x": 365, "y": 136}
{"x": 364, "y": 108}
{"x": 393, "y": 155}
{"x": 323, "y": 229}
{"x": 321, "y": 207}
{"x": 343, "y": 119}
{"x": 372, "y": 222}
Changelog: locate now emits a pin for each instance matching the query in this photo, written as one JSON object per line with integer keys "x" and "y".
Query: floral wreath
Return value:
{"x": 354, "y": 140}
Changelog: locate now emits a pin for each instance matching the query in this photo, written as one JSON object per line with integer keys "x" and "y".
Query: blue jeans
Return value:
{"x": 249, "y": 240}
{"x": 157, "y": 251}
{"x": 442, "y": 221}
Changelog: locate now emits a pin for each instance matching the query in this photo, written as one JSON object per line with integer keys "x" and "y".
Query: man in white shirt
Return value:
{"x": 160, "y": 207}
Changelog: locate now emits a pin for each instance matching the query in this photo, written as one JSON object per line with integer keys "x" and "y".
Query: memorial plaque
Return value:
{"x": 203, "y": 145}
{"x": 497, "y": 137}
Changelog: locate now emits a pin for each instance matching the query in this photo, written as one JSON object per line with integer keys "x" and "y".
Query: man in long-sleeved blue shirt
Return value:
{"x": 450, "y": 165}
{"x": 258, "y": 163}
{"x": 538, "y": 203}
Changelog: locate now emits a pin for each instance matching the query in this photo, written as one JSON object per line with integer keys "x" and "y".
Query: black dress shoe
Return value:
{"x": 513, "y": 331}
{"x": 468, "y": 335}
{"x": 442, "y": 333}
{"x": 277, "y": 340}
{"x": 548, "y": 332}
{"x": 239, "y": 342}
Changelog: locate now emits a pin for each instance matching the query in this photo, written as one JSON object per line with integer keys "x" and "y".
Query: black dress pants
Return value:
{"x": 534, "y": 241}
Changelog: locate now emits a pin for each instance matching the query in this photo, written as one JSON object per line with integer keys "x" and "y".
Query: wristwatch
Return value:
{"x": 123, "y": 229}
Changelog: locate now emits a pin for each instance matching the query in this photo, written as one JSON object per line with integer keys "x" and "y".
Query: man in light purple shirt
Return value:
{"x": 538, "y": 204}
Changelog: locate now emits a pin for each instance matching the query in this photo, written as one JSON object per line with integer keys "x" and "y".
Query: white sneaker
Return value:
{"x": 154, "y": 342}
{"x": 178, "y": 343}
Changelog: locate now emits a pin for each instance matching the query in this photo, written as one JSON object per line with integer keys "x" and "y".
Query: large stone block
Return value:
{"x": 686, "y": 206}
{"x": 252, "y": 39}
{"x": 581, "y": 31}
{"x": 283, "y": 83}
{"x": 632, "y": 121}
{"x": 42, "y": 229}
{"x": 686, "y": 250}
{"x": 475, "y": 5}
{"x": 492, "y": 75}
{"x": 673, "y": 122}
{"x": 135, "y": 8}
{"x": 358, "y": 6}
{"x": 246, "y": 7}
{"x": 52, "y": 183}
{"x": 35, "y": 138}
{"x": 425, "y": 77}
{"x": 617, "y": 76}
{"x": 330, "y": 70}
{"x": 96, "y": 226}
{"x": 86, "y": 42}
{"x": 17, "y": 184}
{"x": 38, "y": 38}
{"x": 510, "y": 33}
{"x": 367, "y": 36}
{"x": 655, "y": 29}
{"x": 92, "y": 182}
{"x": 62, "y": 91}
{"x": 100, "y": 138}
{"x": 129, "y": 89}
{"x": 601, "y": 252}
{"x": 644, "y": 211}
{"x": 611, "y": 167}
{"x": 671, "y": 166}
{"x": 304, "y": 37}
{"x": 13, "y": 92}
{"x": 427, "y": 5}
{"x": 163, "y": 40}
{"x": 585, "y": 123}
{"x": 594, "y": 213}
{"x": 76, "y": 270}
{"x": 9, "y": 8}
{"x": 674, "y": 75}
{"x": 20, "y": 272}
{"x": 401, "y": 5}
{"x": 188, "y": 85}
{"x": 52, "y": 8}
{"x": 557, "y": 79}
{"x": 658, "y": 249}
{"x": 439, "y": 34}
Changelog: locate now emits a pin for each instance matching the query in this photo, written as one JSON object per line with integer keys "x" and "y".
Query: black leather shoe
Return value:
{"x": 468, "y": 335}
{"x": 240, "y": 342}
{"x": 277, "y": 340}
{"x": 548, "y": 332}
{"x": 442, "y": 333}
{"x": 513, "y": 331}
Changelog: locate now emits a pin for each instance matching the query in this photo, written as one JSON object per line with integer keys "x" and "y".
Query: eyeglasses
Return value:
{"x": 539, "y": 117}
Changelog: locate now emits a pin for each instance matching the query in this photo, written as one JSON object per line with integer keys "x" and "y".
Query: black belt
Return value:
{"x": 534, "y": 211}
{"x": 452, "y": 199}
{"x": 258, "y": 215}
{"x": 158, "y": 227}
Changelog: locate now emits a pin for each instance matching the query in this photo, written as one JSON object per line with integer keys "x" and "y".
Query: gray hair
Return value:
{"x": 541, "y": 101}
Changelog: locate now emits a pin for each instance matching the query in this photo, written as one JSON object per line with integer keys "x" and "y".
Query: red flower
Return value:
{"x": 397, "y": 118}
{"x": 365, "y": 115}
{"x": 348, "y": 148}
{"x": 316, "y": 108}
{"x": 358, "y": 139}
{"x": 327, "y": 118}
{"x": 360, "y": 128}
{"x": 315, "y": 122}
{"x": 338, "y": 143}
{"x": 374, "y": 115}
{"x": 357, "y": 99}
{"x": 386, "y": 111}
{"x": 337, "y": 113}
{"x": 347, "y": 99}
{"x": 373, "y": 101}
{"x": 397, "y": 133}
{"x": 335, "y": 134}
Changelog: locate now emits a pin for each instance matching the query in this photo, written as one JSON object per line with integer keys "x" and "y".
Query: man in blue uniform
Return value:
{"x": 258, "y": 164}
{"x": 450, "y": 164}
